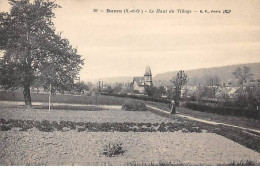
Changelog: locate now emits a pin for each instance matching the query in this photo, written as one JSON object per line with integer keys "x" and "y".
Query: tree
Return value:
{"x": 155, "y": 92}
{"x": 249, "y": 97}
{"x": 213, "y": 83}
{"x": 150, "y": 90}
{"x": 117, "y": 88}
{"x": 242, "y": 74}
{"x": 33, "y": 52}
{"x": 81, "y": 86}
{"x": 199, "y": 93}
{"x": 160, "y": 91}
{"x": 178, "y": 81}
{"x": 108, "y": 89}
{"x": 90, "y": 85}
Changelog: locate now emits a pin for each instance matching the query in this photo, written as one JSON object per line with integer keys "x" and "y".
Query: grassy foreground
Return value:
{"x": 71, "y": 99}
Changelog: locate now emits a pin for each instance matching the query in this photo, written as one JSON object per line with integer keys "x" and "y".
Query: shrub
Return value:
{"x": 132, "y": 105}
{"x": 5, "y": 128}
{"x": 113, "y": 149}
{"x": 45, "y": 126}
{"x": 243, "y": 163}
{"x": 2, "y": 121}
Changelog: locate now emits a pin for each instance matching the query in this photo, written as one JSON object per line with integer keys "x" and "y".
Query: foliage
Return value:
{"x": 133, "y": 105}
{"x": 199, "y": 93}
{"x": 243, "y": 163}
{"x": 223, "y": 110}
{"x": 117, "y": 88}
{"x": 32, "y": 51}
{"x": 81, "y": 86}
{"x": 213, "y": 84}
{"x": 46, "y": 126}
{"x": 145, "y": 98}
{"x": 113, "y": 149}
{"x": 249, "y": 97}
{"x": 242, "y": 74}
{"x": 108, "y": 89}
{"x": 178, "y": 81}
{"x": 225, "y": 94}
{"x": 155, "y": 92}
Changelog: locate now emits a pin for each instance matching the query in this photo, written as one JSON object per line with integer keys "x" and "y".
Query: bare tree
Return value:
{"x": 213, "y": 83}
{"x": 199, "y": 93}
{"x": 242, "y": 74}
{"x": 178, "y": 81}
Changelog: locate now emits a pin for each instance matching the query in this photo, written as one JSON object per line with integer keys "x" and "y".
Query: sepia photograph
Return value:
{"x": 129, "y": 83}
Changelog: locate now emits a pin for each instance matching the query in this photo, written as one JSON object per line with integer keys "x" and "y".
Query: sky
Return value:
{"x": 120, "y": 44}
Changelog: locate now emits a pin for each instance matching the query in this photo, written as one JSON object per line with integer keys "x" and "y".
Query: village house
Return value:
{"x": 141, "y": 82}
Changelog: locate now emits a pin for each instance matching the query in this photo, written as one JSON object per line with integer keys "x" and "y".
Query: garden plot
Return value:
{"x": 68, "y": 137}
{"x": 86, "y": 148}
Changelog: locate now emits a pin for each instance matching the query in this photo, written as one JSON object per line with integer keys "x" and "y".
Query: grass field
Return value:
{"x": 71, "y": 99}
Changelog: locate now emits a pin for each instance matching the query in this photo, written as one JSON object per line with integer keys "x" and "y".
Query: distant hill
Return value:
{"x": 197, "y": 75}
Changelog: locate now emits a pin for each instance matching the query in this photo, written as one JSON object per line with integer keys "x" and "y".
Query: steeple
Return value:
{"x": 148, "y": 71}
{"x": 148, "y": 76}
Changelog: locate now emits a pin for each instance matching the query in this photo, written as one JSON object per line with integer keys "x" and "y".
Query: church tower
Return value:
{"x": 148, "y": 76}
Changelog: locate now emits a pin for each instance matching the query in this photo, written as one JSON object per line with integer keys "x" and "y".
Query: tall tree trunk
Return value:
{"x": 27, "y": 94}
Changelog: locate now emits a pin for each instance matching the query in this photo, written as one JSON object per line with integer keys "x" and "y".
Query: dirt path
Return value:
{"x": 203, "y": 121}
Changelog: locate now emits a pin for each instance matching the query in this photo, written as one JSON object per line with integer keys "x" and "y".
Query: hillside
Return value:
{"x": 197, "y": 75}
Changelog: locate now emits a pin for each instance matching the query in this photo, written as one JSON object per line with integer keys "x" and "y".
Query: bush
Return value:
{"x": 132, "y": 105}
{"x": 113, "y": 149}
{"x": 45, "y": 126}
{"x": 5, "y": 128}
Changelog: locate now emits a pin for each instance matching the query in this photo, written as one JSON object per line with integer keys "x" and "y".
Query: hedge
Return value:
{"x": 223, "y": 110}
{"x": 145, "y": 98}
{"x": 133, "y": 105}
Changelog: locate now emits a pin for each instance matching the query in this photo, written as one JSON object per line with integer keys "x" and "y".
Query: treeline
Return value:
{"x": 245, "y": 100}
